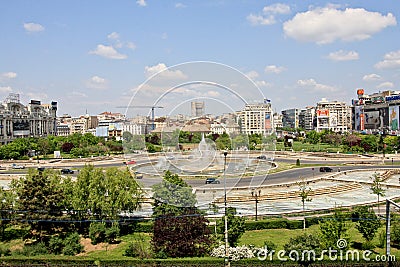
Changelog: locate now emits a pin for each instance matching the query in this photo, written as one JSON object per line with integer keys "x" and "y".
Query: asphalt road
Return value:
{"x": 283, "y": 177}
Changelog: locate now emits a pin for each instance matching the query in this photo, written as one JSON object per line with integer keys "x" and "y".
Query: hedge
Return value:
{"x": 273, "y": 224}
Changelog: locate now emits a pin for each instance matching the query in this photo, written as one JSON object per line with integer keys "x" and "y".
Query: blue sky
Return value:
{"x": 95, "y": 55}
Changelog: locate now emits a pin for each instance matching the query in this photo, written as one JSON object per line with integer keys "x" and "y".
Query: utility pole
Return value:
{"x": 388, "y": 202}
{"x": 227, "y": 263}
{"x": 256, "y": 195}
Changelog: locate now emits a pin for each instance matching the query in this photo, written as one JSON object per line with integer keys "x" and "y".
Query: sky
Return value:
{"x": 94, "y": 56}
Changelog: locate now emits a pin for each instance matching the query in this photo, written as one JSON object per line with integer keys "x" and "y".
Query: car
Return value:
{"x": 212, "y": 181}
{"x": 325, "y": 169}
{"x": 138, "y": 175}
{"x": 40, "y": 169}
{"x": 15, "y": 166}
{"x": 170, "y": 157}
{"x": 131, "y": 162}
{"x": 262, "y": 157}
{"x": 67, "y": 171}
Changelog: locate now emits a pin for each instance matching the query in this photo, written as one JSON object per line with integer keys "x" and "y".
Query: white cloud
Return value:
{"x": 274, "y": 69}
{"x": 372, "y": 77}
{"x": 268, "y": 16}
{"x": 390, "y": 60}
{"x": 7, "y": 76}
{"x": 5, "y": 89}
{"x": 107, "y": 52}
{"x": 163, "y": 72}
{"x": 252, "y": 74}
{"x": 141, "y": 2}
{"x": 314, "y": 86}
{"x": 97, "y": 82}
{"x": 261, "y": 20}
{"x": 113, "y": 36}
{"x": 33, "y": 27}
{"x": 342, "y": 55}
{"x": 180, "y": 5}
{"x": 263, "y": 84}
{"x": 326, "y": 25}
{"x": 117, "y": 43}
{"x": 130, "y": 45}
{"x": 78, "y": 94}
{"x": 277, "y": 8}
{"x": 37, "y": 96}
{"x": 164, "y": 36}
{"x": 385, "y": 85}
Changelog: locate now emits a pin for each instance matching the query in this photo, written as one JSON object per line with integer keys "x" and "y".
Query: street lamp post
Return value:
{"x": 256, "y": 196}
{"x": 227, "y": 263}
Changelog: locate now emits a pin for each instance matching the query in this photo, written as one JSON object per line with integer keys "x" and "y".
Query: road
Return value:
{"x": 288, "y": 176}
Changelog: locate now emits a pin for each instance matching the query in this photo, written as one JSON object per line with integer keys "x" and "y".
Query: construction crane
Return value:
{"x": 152, "y": 111}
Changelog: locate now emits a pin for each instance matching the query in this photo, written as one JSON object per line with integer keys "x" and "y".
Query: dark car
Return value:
{"x": 40, "y": 169}
{"x": 262, "y": 157}
{"x": 325, "y": 169}
{"x": 67, "y": 171}
{"x": 212, "y": 181}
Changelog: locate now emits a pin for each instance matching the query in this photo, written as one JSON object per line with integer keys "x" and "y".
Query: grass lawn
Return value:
{"x": 282, "y": 236}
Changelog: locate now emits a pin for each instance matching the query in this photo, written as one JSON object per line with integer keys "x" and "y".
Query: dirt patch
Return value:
{"x": 89, "y": 247}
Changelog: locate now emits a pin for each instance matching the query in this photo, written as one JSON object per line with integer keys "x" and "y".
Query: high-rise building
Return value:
{"x": 198, "y": 109}
{"x": 333, "y": 115}
{"x": 307, "y": 118}
{"x": 290, "y": 118}
{"x": 256, "y": 118}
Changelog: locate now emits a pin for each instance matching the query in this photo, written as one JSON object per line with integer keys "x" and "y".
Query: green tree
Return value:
{"x": 7, "y": 200}
{"x": 224, "y": 142}
{"x": 254, "y": 141}
{"x": 313, "y": 137}
{"x": 236, "y": 227}
{"x": 334, "y": 228}
{"x": 367, "y": 222}
{"x": 40, "y": 195}
{"x": 171, "y": 195}
{"x": 377, "y": 187}
{"x": 105, "y": 194}
{"x": 180, "y": 229}
{"x": 304, "y": 248}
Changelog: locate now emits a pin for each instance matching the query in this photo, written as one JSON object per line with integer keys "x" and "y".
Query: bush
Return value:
{"x": 112, "y": 233}
{"x": 56, "y": 245}
{"x": 382, "y": 239}
{"x": 97, "y": 232}
{"x": 72, "y": 245}
{"x": 4, "y": 251}
{"x": 273, "y": 224}
{"x": 33, "y": 250}
{"x": 138, "y": 248}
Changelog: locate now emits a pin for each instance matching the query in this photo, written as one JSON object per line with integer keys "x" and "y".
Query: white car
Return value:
{"x": 15, "y": 166}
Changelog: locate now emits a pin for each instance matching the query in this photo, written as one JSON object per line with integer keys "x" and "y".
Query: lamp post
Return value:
{"x": 227, "y": 263}
{"x": 256, "y": 195}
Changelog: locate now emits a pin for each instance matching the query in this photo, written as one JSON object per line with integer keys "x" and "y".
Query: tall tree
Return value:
{"x": 236, "y": 227}
{"x": 377, "y": 187}
{"x": 367, "y": 222}
{"x": 333, "y": 229}
{"x": 180, "y": 229}
{"x": 40, "y": 196}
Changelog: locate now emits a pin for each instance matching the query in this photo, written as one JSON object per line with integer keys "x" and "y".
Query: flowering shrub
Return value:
{"x": 235, "y": 254}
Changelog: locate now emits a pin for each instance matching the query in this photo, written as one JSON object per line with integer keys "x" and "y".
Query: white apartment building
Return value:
{"x": 256, "y": 118}
{"x": 333, "y": 115}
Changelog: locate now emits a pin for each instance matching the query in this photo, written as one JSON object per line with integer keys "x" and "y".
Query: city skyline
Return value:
{"x": 95, "y": 55}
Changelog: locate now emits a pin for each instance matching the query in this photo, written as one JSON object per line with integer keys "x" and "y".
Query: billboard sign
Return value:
{"x": 376, "y": 119}
{"x": 394, "y": 117}
{"x": 322, "y": 112}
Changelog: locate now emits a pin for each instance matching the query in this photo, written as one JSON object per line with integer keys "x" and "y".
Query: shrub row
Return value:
{"x": 273, "y": 224}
